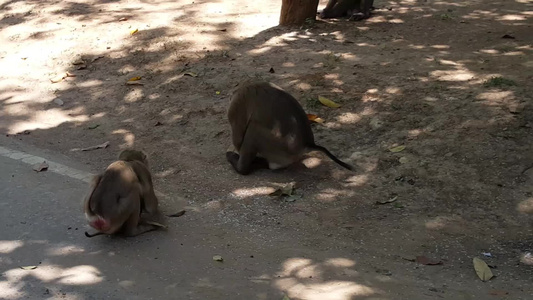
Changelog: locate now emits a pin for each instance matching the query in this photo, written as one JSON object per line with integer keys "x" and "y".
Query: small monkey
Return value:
{"x": 120, "y": 195}
{"x": 269, "y": 129}
{"x": 356, "y": 9}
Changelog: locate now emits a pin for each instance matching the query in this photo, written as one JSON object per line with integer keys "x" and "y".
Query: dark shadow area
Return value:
{"x": 450, "y": 81}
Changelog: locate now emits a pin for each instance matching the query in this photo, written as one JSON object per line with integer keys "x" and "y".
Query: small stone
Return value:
{"x": 58, "y": 101}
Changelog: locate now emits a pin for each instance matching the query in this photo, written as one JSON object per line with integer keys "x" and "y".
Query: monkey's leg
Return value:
{"x": 150, "y": 199}
{"x": 364, "y": 11}
{"x": 132, "y": 227}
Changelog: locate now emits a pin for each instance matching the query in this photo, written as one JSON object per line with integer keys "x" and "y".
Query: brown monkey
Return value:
{"x": 269, "y": 128}
{"x": 120, "y": 194}
{"x": 356, "y": 9}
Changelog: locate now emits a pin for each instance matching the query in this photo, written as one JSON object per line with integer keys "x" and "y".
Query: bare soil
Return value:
{"x": 451, "y": 81}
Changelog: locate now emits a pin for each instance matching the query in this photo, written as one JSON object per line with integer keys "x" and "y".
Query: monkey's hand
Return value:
{"x": 232, "y": 157}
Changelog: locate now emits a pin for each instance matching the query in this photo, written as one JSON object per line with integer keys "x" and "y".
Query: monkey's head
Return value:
{"x": 133, "y": 155}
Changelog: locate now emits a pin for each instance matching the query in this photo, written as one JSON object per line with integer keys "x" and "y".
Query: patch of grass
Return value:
{"x": 498, "y": 82}
{"x": 331, "y": 60}
{"x": 445, "y": 17}
{"x": 312, "y": 102}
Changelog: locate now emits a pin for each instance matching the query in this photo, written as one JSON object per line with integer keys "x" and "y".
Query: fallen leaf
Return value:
{"x": 328, "y": 102}
{"x": 287, "y": 189}
{"x": 79, "y": 62}
{"x": 387, "y": 201}
{"x": 192, "y": 74}
{"x": 397, "y": 148}
{"x": 217, "y": 92}
{"x": 482, "y": 269}
{"x": 97, "y": 58}
{"x": 93, "y": 126}
{"x": 134, "y": 31}
{"x": 70, "y": 74}
{"x": 498, "y": 293}
{"x": 28, "y": 267}
{"x": 25, "y": 132}
{"x": 58, "y": 101}
{"x": 134, "y": 83}
{"x": 101, "y": 146}
{"x": 122, "y": 19}
{"x": 59, "y": 78}
{"x": 428, "y": 261}
{"x": 136, "y": 78}
{"x": 315, "y": 118}
{"x": 293, "y": 198}
{"x": 217, "y": 258}
{"x": 40, "y": 167}
{"x": 178, "y": 214}
{"x": 156, "y": 224}
{"x": 271, "y": 70}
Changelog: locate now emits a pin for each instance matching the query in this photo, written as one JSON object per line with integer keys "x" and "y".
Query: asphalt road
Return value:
{"x": 45, "y": 255}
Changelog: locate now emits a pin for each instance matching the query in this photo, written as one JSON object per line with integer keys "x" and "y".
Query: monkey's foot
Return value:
{"x": 358, "y": 16}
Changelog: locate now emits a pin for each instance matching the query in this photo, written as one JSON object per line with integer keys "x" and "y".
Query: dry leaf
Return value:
{"x": 217, "y": 258}
{"x": 135, "y": 78}
{"x": 428, "y": 261}
{"x": 315, "y": 118}
{"x": 482, "y": 269}
{"x": 123, "y": 19}
{"x": 156, "y": 224}
{"x": 70, "y": 74}
{"x": 498, "y": 293}
{"x": 397, "y": 149}
{"x": 134, "y": 31}
{"x": 387, "y": 201}
{"x": 97, "y": 58}
{"x": 59, "y": 78}
{"x": 40, "y": 167}
{"x": 79, "y": 62}
{"x": 328, "y": 102}
{"x": 287, "y": 189}
{"x": 28, "y": 267}
{"x": 192, "y": 74}
{"x": 101, "y": 146}
{"x": 178, "y": 214}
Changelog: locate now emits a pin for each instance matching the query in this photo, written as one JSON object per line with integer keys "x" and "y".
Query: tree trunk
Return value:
{"x": 295, "y": 12}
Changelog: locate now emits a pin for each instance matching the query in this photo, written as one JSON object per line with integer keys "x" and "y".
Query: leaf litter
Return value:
{"x": 327, "y": 102}
{"x": 40, "y": 167}
{"x": 482, "y": 269}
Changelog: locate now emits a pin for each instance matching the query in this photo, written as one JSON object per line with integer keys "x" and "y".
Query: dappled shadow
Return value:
{"x": 417, "y": 74}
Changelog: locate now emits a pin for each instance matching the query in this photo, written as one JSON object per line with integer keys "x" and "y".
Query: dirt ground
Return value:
{"x": 451, "y": 81}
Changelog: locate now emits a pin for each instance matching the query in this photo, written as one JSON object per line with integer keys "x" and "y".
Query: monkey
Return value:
{"x": 356, "y": 9}
{"x": 120, "y": 195}
{"x": 269, "y": 129}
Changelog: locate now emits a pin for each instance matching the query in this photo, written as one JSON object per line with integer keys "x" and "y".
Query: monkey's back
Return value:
{"x": 272, "y": 113}
{"x": 118, "y": 181}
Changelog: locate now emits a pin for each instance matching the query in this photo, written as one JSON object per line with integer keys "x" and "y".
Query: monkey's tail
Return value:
{"x": 333, "y": 157}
